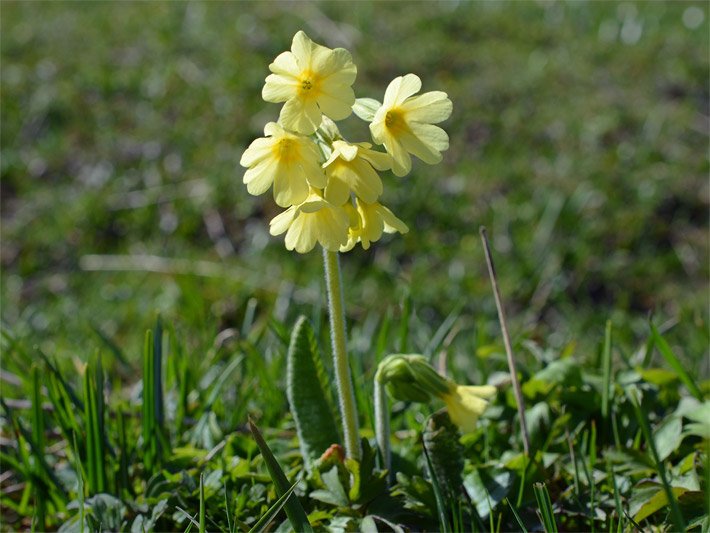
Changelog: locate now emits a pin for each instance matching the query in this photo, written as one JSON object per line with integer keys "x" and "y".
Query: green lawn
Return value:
{"x": 579, "y": 138}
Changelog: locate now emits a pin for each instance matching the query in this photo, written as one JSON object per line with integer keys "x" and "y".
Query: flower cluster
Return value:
{"x": 330, "y": 187}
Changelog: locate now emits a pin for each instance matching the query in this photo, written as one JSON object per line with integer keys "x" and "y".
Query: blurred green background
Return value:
{"x": 579, "y": 138}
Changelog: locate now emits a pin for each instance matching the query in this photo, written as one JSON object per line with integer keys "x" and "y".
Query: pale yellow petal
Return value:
{"x": 347, "y": 151}
{"x": 431, "y": 107}
{"x": 308, "y": 164}
{"x": 332, "y": 228}
{"x": 432, "y": 136}
{"x": 302, "y": 48}
{"x": 279, "y": 88}
{"x": 425, "y": 141}
{"x": 313, "y": 204}
{"x": 336, "y": 101}
{"x": 400, "y": 89}
{"x": 364, "y": 180}
{"x": 392, "y": 223}
{"x": 465, "y": 404}
{"x": 401, "y": 161}
{"x": 285, "y": 64}
{"x": 273, "y": 129}
{"x": 337, "y": 192}
{"x": 290, "y": 188}
{"x": 336, "y": 66}
{"x": 379, "y": 160}
{"x": 282, "y": 221}
{"x": 372, "y": 223}
{"x": 377, "y": 126}
{"x": 300, "y": 235}
{"x": 259, "y": 149}
{"x": 300, "y": 116}
{"x": 259, "y": 178}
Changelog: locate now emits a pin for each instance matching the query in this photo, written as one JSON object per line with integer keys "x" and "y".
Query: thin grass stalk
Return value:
{"x": 606, "y": 370}
{"x": 382, "y": 428}
{"x": 506, "y": 340}
{"x": 39, "y": 519}
{"x": 202, "y": 503}
{"x": 343, "y": 379}
{"x": 516, "y": 516}
{"x": 148, "y": 406}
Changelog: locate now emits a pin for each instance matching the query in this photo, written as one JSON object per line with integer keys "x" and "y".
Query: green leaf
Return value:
{"x": 307, "y": 388}
{"x": 441, "y": 440}
{"x": 444, "y": 526}
{"x": 294, "y": 511}
{"x": 365, "y": 108}
{"x": 487, "y": 489}
{"x": 334, "y": 493}
{"x": 668, "y": 436}
{"x": 366, "y": 482}
{"x": 657, "y": 501}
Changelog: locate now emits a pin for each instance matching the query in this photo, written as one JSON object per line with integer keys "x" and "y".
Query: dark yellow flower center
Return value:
{"x": 308, "y": 84}
{"x": 395, "y": 121}
{"x": 286, "y": 150}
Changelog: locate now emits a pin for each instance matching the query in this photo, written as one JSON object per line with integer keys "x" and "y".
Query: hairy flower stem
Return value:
{"x": 382, "y": 427}
{"x": 346, "y": 394}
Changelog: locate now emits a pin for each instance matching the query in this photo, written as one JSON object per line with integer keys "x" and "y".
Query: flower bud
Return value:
{"x": 411, "y": 378}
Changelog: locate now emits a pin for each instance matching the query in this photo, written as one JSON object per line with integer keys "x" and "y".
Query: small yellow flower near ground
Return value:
{"x": 466, "y": 403}
{"x": 412, "y": 378}
{"x": 289, "y": 161}
{"x": 311, "y": 79}
{"x": 314, "y": 220}
{"x": 351, "y": 167}
{"x": 368, "y": 222}
{"x": 404, "y": 123}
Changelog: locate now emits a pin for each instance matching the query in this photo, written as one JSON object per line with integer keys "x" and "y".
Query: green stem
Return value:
{"x": 382, "y": 426}
{"x": 346, "y": 395}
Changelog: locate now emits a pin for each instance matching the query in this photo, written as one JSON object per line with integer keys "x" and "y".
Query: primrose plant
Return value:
{"x": 329, "y": 186}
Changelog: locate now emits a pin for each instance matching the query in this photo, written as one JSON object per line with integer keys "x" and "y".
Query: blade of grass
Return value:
{"x": 202, "y": 503}
{"x": 263, "y": 523}
{"x": 617, "y": 497}
{"x": 39, "y": 519}
{"x": 544, "y": 504}
{"x": 404, "y": 324}
{"x": 676, "y": 515}
{"x": 674, "y": 362}
{"x": 148, "y": 406}
{"x": 606, "y": 370}
{"x": 517, "y": 516}
{"x": 294, "y": 511}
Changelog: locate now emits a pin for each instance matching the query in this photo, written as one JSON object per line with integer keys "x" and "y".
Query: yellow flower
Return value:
{"x": 466, "y": 403}
{"x": 350, "y": 168}
{"x": 404, "y": 123}
{"x": 315, "y": 220}
{"x": 411, "y": 378}
{"x": 368, "y": 222}
{"x": 289, "y": 161}
{"x": 311, "y": 79}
